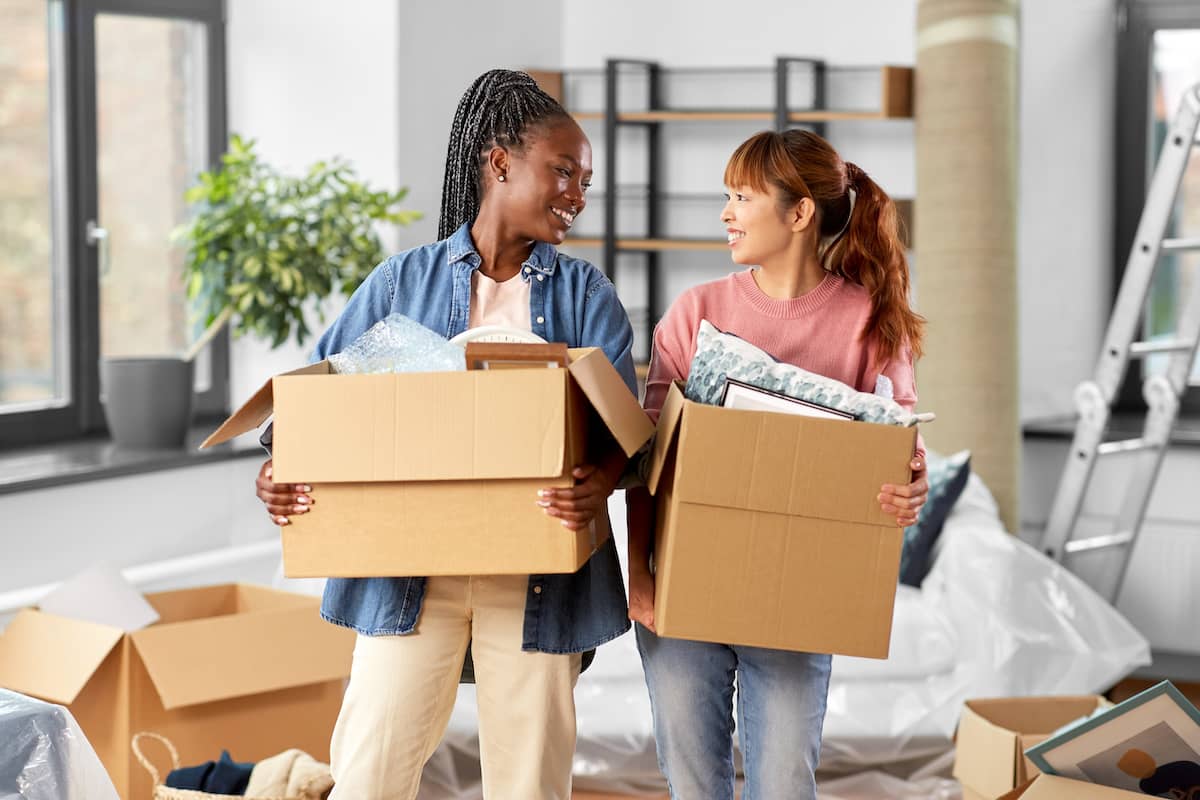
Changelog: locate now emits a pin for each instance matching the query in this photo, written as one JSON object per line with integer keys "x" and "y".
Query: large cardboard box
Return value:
{"x": 993, "y": 735}
{"x": 1052, "y": 787}
{"x": 768, "y": 528}
{"x": 437, "y": 473}
{"x": 236, "y": 667}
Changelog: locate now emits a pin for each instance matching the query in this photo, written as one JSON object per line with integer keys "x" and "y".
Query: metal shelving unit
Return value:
{"x": 651, "y": 114}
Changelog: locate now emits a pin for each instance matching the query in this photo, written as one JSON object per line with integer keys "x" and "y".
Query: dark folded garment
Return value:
{"x": 224, "y": 776}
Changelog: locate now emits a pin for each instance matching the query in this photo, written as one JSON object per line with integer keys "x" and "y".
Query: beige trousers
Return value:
{"x": 402, "y": 690}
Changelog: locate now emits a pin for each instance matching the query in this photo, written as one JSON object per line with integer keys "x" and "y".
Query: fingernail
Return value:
{"x": 281, "y": 520}
{"x": 544, "y": 503}
{"x": 545, "y": 493}
{"x": 566, "y": 524}
{"x": 269, "y": 472}
{"x": 879, "y": 497}
{"x": 301, "y": 509}
{"x": 305, "y": 488}
{"x": 302, "y": 499}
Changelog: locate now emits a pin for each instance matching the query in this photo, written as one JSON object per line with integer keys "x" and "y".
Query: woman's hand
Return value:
{"x": 578, "y": 505}
{"x": 906, "y": 501}
{"x": 641, "y": 597}
{"x": 282, "y": 499}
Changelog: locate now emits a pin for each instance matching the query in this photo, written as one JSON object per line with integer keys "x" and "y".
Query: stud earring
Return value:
{"x": 501, "y": 178}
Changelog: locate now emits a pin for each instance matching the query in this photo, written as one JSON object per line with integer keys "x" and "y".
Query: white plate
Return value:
{"x": 497, "y": 333}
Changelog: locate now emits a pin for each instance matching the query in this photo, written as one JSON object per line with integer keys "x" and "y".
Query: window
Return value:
{"x": 104, "y": 122}
{"x": 1158, "y": 60}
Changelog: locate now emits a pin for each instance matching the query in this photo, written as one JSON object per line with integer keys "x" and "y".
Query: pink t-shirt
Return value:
{"x": 820, "y": 331}
{"x": 505, "y": 303}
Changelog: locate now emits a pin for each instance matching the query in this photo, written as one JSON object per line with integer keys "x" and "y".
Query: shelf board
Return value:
{"x": 653, "y": 244}
{"x": 823, "y": 115}
{"x": 585, "y": 115}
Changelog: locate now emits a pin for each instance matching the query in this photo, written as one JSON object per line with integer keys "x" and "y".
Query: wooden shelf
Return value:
{"x": 643, "y": 245}
{"x": 895, "y": 102}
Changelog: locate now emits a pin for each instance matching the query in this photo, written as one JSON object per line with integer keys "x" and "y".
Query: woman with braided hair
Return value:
{"x": 517, "y": 170}
{"x": 828, "y": 292}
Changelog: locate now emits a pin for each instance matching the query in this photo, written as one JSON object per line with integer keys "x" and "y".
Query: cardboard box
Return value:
{"x": 768, "y": 530}
{"x": 1052, "y": 787}
{"x": 993, "y": 734}
{"x": 243, "y": 668}
{"x": 437, "y": 473}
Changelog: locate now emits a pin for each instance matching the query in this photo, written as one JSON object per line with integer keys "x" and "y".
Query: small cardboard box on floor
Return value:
{"x": 236, "y": 667}
{"x": 993, "y": 735}
{"x": 1052, "y": 787}
{"x": 768, "y": 529}
{"x": 436, "y": 473}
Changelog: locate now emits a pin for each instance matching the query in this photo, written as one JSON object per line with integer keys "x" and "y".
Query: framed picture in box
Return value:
{"x": 748, "y": 397}
{"x": 506, "y": 355}
{"x": 1149, "y": 744}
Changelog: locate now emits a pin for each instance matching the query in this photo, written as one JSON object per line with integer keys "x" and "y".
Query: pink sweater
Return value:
{"x": 819, "y": 331}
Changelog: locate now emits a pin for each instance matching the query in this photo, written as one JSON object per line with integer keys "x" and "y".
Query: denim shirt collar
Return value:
{"x": 543, "y": 257}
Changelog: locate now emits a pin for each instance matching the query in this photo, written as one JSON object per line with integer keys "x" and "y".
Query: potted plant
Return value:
{"x": 262, "y": 249}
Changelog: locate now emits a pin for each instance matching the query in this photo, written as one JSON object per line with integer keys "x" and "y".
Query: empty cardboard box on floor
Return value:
{"x": 437, "y": 473}
{"x": 769, "y": 532}
{"x": 1050, "y": 787}
{"x": 993, "y": 735}
{"x": 243, "y": 668}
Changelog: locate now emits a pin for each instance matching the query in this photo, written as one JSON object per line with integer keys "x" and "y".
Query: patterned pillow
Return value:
{"x": 722, "y": 355}
{"x": 947, "y": 476}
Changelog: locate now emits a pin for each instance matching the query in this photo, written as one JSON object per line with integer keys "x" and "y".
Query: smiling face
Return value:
{"x": 545, "y": 183}
{"x": 758, "y": 230}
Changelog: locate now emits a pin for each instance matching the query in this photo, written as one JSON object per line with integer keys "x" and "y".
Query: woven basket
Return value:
{"x": 162, "y": 792}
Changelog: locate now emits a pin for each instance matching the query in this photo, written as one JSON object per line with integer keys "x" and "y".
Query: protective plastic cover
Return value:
{"x": 993, "y": 618}
{"x": 44, "y": 754}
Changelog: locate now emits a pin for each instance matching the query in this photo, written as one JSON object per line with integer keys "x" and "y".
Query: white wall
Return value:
{"x": 1067, "y": 106}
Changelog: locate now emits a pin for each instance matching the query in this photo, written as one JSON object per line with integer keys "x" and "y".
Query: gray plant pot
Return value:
{"x": 147, "y": 401}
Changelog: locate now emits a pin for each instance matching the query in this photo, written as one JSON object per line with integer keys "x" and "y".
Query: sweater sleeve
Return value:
{"x": 899, "y": 370}
{"x": 670, "y": 354}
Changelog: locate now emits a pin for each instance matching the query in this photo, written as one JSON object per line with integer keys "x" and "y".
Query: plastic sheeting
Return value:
{"x": 399, "y": 344}
{"x": 44, "y": 754}
{"x": 996, "y": 618}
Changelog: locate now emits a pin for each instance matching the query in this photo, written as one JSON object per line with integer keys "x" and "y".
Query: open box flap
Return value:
{"x": 611, "y": 398}
{"x": 255, "y": 411}
{"x": 235, "y": 655}
{"x": 52, "y": 657}
{"x": 668, "y": 428}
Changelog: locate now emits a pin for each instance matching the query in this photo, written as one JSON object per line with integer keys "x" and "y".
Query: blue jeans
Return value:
{"x": 781, "y": 708}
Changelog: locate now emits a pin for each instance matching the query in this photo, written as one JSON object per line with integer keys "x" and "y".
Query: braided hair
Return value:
{"x": 499, "y": 108}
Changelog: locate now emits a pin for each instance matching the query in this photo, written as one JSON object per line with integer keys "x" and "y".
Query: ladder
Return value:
{"x": 1102, "y": 559}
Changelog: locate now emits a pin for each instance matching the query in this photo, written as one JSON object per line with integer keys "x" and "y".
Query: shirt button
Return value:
{"x": 541, "y": 320}
{"x": 541, "y": 277}
{"x": 528, "y": 270}
{"x": 537, "y": 590}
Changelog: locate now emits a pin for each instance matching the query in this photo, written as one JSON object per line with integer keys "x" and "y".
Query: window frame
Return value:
{"x": 1137, "y": 22}
{"x": 83, "y": 415}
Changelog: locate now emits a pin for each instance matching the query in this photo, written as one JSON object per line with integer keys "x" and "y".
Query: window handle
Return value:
{"x": 98, "y": 237}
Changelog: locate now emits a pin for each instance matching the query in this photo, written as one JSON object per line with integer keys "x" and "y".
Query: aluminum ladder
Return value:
{"x": 1163, "y": 392}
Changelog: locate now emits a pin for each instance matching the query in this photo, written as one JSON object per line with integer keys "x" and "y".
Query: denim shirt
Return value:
{"x": 570, "y": 301}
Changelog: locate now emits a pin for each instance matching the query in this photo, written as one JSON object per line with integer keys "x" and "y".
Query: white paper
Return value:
{"x": 100, "y": 594}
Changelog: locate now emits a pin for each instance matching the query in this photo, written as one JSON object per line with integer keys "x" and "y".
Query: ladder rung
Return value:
{"x": 1163, "y": 346}
{"x": 1124, "y": 446}
{"x": 1175, "y": 245}
{"x": 1098, "y": 542}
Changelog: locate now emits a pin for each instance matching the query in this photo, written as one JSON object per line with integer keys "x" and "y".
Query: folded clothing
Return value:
{"x": 292, "y": 773}
{"x": 223, "y": 776}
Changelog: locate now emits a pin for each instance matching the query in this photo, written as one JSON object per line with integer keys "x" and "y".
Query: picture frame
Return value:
{"x": 748, "y": 397}
{"x": 1149, "y": 742}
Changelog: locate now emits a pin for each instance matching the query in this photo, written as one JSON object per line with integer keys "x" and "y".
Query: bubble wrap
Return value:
{"x": 399, "y": 344}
